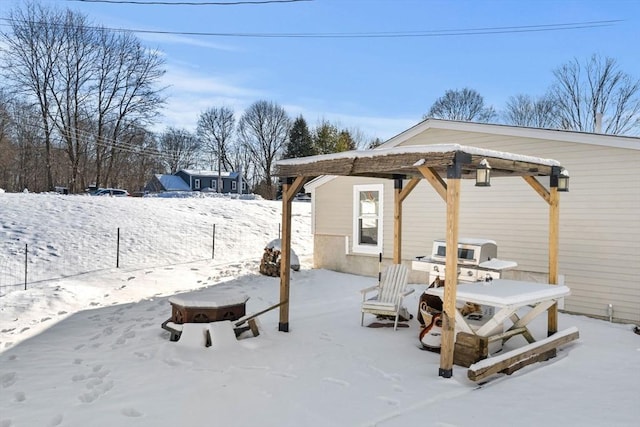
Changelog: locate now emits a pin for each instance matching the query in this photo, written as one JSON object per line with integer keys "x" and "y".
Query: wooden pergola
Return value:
{"x": 443, "y": 166}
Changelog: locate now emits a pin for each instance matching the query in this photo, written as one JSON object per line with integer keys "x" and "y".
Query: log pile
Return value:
{"x": 270, "y": 262}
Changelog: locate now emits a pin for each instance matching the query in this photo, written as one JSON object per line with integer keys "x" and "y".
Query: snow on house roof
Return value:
{"x": 172, "y": 183}
{"x": 207, "y": 173}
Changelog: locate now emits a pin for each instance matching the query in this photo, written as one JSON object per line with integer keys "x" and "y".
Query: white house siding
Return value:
{"x": 599, "y": 220}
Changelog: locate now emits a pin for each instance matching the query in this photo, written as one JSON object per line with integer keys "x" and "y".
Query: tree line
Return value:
{"x": 78, "y": 102}
{"x": 590, "y": 96}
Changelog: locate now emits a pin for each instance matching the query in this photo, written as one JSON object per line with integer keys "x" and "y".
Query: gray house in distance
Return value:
{"x": 198, "y": 180}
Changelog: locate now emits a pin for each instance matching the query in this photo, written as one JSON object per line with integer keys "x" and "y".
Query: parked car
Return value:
{"x": 115, "y": 192}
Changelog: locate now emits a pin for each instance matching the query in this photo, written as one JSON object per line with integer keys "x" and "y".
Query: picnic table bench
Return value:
{"x": 508, "y": 297}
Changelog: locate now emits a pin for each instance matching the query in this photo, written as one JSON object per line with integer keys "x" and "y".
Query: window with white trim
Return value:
{"x": 196, "y": 184}
{"x": 367, "y": 218}
{"x": 233, "y": 186}
{"x": 214, "y": 183}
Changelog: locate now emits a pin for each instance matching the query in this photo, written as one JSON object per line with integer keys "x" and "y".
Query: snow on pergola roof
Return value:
{"x": 407, "y": 161}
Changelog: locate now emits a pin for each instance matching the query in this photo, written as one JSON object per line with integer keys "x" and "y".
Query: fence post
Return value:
{"x": 278, "y": 230}
{"x": 26, "y": 251}
{"x": 118, "y": 249}
{"x": 213, "y": 243}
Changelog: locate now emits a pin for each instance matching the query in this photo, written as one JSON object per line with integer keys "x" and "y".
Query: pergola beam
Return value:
{"x": 434, "y": 179}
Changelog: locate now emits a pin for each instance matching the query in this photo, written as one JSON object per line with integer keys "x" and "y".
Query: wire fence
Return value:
{"x": 25, "y": 265}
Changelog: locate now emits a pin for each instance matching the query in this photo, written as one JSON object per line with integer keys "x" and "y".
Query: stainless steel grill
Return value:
{"x": 477, "y": 261}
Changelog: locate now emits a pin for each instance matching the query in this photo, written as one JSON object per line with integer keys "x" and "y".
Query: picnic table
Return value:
{"x": 510, "y": 298}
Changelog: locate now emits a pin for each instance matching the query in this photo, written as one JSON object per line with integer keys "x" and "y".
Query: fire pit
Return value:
{"x": 213, "y": 308}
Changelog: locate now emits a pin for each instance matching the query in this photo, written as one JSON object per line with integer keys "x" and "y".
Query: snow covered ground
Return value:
{"x": 87, "y": 349}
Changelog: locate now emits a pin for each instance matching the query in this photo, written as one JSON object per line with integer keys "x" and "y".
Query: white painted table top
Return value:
{"x": 505, "y": 293}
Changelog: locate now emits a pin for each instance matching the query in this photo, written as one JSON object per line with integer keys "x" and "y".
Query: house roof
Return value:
{"x": 614, "y": 141}
{"x": 617, "y": 141}
{"x": 172, "y": 183}
{"x": 212, "y": 174}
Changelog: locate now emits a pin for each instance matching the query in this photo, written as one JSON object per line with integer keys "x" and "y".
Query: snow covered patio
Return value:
{"x": 114, "y": 365}
{"x": 88, "y": 350}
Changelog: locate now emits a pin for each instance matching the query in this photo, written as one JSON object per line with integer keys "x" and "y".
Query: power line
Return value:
{"x": 189, "y": 3}
{"x": 376, "y": 34}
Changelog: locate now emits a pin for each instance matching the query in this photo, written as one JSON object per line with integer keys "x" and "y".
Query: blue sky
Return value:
{"x": 378, "y": 85}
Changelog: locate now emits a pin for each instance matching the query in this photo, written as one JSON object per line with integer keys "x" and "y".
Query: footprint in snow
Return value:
{"x": 131, "y": 412}
{"x": 389, "y": 401}
{"x": 56, "y": 420}
{"x": 325, "y": 336}
{"x": 8, "y": 379}
{"x": 283, "y": 374}
{"x": 336, "y": 381}
{"x": 19, "y": 396}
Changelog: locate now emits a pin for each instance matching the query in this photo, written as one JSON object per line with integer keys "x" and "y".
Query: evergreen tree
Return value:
{"x": 345, "y": 141}
{"x": 300, "y": 142}
{"x": 325, "y": 138}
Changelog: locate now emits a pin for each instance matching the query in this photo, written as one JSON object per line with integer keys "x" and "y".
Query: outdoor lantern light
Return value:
{"x": 559, "y": 178}
{"x": 563, "y": 181}
{"x": 483, "y": 174}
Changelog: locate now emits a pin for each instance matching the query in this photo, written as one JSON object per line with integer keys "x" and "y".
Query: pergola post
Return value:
{"x": 554, "y": 238}
{"x": 454, "y": 174}
{"x": 397, "y": 220}
{"x": 450, "y": 280}
{"x": 399, "y": 195}
{"x": 290, "y": 188}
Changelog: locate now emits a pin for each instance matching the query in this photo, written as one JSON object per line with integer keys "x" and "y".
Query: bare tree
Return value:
{"x": 179, "y": 149}
{"x": 215, "y": 129}
{"x": 465, "y": 105}
{"x": 90, "y": 84}
{"x": 243, "y": 163}
{"x": 523, "y": 110}
{"x": 69, "y": 88}
{"x": 126, "y": 94}
{"x": 263, "y": 130}
{"x": 584, "y": 91}
{"x": 7, "y": 146}
{"x": 32, "y": 49}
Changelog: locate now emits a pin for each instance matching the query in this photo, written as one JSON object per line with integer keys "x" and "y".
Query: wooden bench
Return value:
{"x": 511, "y": 361}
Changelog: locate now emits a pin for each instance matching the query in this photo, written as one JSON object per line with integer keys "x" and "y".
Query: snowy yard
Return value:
{"x": 88, "y": 350}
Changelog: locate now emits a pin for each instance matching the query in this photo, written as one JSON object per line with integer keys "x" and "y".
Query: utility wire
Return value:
{"x": 189, "y": 3}
{"x": 383, "y": 34}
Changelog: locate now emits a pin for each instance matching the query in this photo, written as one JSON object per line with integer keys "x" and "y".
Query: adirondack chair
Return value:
{"x": 390, "y": 292}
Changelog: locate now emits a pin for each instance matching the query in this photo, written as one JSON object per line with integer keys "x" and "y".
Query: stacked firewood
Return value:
{"x": 270, "y": 263}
